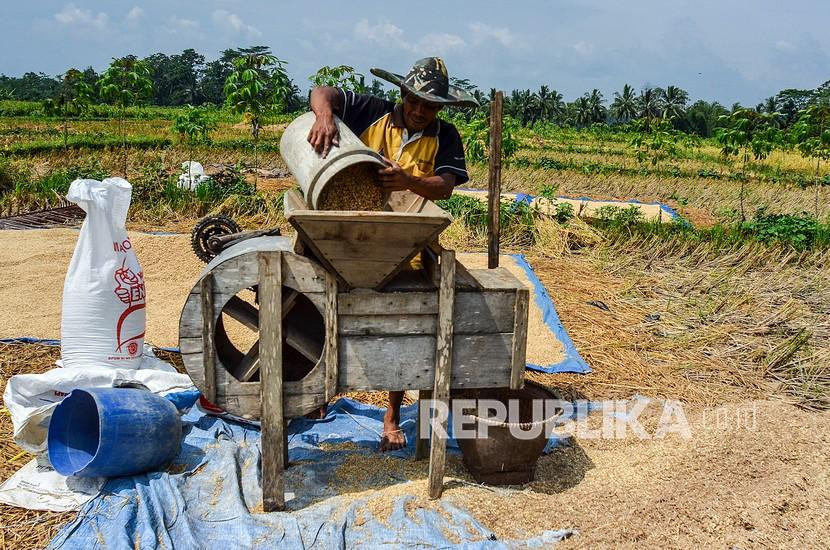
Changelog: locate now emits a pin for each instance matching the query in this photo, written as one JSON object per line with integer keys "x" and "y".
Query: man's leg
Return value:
{"x": 392, "y": 435}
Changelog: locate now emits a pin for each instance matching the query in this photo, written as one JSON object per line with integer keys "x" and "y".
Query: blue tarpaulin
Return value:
{"x": 210, "y": 496}
{"x": 573, "y": 362}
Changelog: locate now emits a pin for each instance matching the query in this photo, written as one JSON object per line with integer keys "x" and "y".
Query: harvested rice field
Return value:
{"x": 689, "y": 281}
{"x": 715, "y": 332}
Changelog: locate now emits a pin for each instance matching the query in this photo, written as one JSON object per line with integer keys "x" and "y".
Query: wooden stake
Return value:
{"x": 443, "y": 368}
{"x": 494, "y": 196}
{"x": 270, "y": 344}
{"x": 208, "y": 331}
{"x": 519, "y": 339}
{"x": 331, "y": 337}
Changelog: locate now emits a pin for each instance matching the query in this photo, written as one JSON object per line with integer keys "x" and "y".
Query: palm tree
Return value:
{"x": 582, "y": 111}
{"x": 524, "y": 106}
{"x": 674, "y": 102}
{"x": 598, "y": 111}
{"x": 649, "y": 103}
{"x": 771, "y": 107}
{"x": 624, "y": 106}
{"x": 550, "y": 103}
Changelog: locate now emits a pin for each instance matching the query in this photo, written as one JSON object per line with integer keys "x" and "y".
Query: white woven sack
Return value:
{"x": 103, "y": 316}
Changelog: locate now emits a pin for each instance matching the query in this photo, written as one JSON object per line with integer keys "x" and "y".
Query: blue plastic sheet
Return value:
{"x": 668, "y": 210}
{"x": 573, "y": 362}
{"x": 209, "y": 497}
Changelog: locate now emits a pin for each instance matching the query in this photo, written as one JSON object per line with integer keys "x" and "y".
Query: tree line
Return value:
{"x": 188, "y": 79}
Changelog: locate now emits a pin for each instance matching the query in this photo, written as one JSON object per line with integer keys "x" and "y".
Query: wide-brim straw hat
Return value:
{"x": 428, "y": 80}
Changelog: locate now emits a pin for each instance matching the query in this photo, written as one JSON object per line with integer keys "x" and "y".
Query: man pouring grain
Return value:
{"x": 425, "y": 154}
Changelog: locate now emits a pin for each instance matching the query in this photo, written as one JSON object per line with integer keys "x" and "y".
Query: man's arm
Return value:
{"x": 325, "y": 101}
{"x": 393, "y": 178}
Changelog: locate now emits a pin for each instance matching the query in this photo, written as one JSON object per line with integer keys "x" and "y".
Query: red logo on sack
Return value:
{"x": 130, "y": 290}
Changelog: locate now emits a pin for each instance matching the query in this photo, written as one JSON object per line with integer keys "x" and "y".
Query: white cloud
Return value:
{"x": 176, "y": 24}
{"x": 481, "y": 32}
{"x": 583, "y": 48}
{"x": 232, "y": 21}
{"x": 786, "y": 46}
{"x": 72, "y": 16}
{"x": 134, "y": 15}
{"x": 382, "y": 33}
{"x": 439, "y": 43}
{"x": 386, "y": 34}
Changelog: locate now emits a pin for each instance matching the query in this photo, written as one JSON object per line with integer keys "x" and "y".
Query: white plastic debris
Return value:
{"x": 193, "y": 173}
{"x": 37, "y": 486}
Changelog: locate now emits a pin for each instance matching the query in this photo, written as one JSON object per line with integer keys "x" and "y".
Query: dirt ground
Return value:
{"x": 755, "y": 472}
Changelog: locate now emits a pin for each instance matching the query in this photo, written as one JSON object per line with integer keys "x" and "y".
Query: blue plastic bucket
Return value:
{"x": 111, "y": 432}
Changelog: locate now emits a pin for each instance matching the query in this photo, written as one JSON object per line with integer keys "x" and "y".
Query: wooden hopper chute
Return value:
{"x": 365, "y": 249}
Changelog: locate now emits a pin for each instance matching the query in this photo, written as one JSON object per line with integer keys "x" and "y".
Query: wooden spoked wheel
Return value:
{"x": 219, "y": 337}
{"x": 302, "y": 328}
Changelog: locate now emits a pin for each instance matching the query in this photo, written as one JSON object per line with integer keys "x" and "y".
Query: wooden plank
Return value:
{"x": 273, "y": 442}
{"x": 367, "y": 249}
{"x": 342, "y": 248}
{"x": 498, "y": 278}
{"x": 494, "y": 183}
{"x": 249, "y": 364}
{"x": 463, "y": 279}
{"x": 429, "y": 259}
{"x": 386, "y": 325}
{"x": 474, "y": 313}
{"x": 443, "y": 368}
{"x": 519, "y": 339}
{"x": 208, "y": 331}
{"x": 308, "y": 347}
{"x": 367, "y": 302}
{"x": 303, "y": 274}
{"x": 421, "y": 443}
{"x": 331, "y": 321}
{"x": 242, "y": 311}
{"x": 479, "y": 361}
{"x": 292, "y": 201}
{"x": 431, "y": 216}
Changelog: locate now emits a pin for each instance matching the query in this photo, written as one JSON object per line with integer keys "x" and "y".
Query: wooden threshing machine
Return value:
{"x": 341, "y": 307}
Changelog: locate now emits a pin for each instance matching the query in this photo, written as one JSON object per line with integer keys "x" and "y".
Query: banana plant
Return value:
{"x": 257, "y": 87}
{"x": 340, "y": 76}
{"x": 193, "y": 126}
{"x": 812, "y": 134}
{"x": 125, "y": 83}
{"x": 746, "y": 132}
{"x": 72, "y": 99}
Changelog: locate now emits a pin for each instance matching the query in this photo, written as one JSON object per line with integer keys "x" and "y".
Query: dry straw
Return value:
{"x": 23, "y": 529}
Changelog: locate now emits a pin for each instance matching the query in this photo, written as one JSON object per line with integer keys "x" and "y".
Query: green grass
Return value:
{"x": 86, "y": 142}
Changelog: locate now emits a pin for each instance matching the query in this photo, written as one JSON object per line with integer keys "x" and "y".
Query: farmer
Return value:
{"x": 425, "y": 154}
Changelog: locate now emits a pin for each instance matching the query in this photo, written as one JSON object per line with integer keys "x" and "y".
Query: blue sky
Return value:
{"x": 717, "y": 50}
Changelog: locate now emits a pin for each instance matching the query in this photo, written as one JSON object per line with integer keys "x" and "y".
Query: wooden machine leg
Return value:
{"x": 270, "y": 346}
{"x": 443, "y": 366}
{"x": 517, "y": 370}
{"x": 331, "y": 337}
{"x": 421, "y": 443}
{"x": 208, "y": 330}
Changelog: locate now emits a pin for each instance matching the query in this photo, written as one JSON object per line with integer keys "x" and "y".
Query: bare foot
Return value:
{"x": 317, "y": 414}
{"x": 393, "y": 438}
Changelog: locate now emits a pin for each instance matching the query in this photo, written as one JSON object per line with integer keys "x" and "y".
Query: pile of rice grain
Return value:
{"x": 353, "y": 188}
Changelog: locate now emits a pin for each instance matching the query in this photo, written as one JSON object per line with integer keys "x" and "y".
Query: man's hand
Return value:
{"x": 393, "y": 177}
{"x": 323, "y": 134}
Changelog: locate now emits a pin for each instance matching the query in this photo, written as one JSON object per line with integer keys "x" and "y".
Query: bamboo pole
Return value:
{"x": 494, "y": 195}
